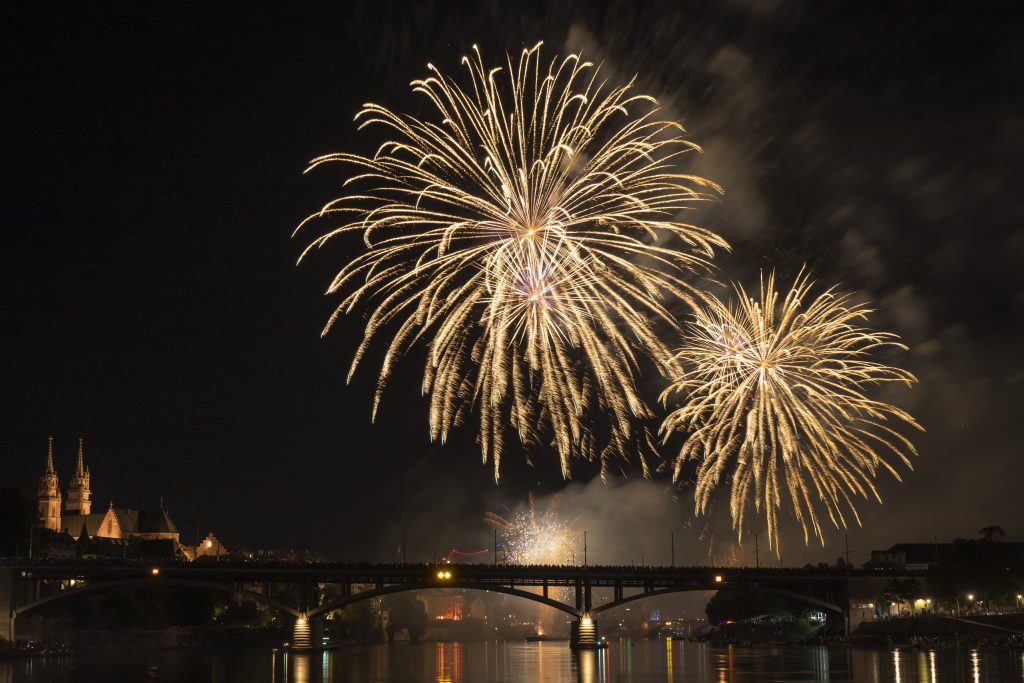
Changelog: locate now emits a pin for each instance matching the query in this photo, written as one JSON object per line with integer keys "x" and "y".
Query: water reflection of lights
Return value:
{"x": 588, "y": 666}
{"x": 448, "y": 666}
{"x": 821, "y": 664}
{"x": 931, "y": 665}
{"x": 975, "y": 666}
{"x": 896, "y": 664}
{"x": 725, "y": 665}
{"x": 441, "y": 668}
{"x": 668, "y": 659}
{"x": 300, "y": 668}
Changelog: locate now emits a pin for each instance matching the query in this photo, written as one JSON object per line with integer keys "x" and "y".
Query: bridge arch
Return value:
{"x": 425, "y": 585}
{"x": 789, "y": 595}
{"x": 127, "y": 583}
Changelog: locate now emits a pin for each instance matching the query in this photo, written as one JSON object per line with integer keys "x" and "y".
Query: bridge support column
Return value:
{"x": 584, "y": 634}
{"x": 301, "y": 633}
{"x": 8, "y": 601}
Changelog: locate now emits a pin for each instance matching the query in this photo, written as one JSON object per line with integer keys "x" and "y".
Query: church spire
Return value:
{"x": 48, "y": 498}
{"x": 80, "y": 470}
{"x": 79, "y": 493}
{"x": 49, "y": 455}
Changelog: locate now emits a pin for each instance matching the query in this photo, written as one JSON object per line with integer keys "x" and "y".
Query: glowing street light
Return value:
{"x": 444, "y": 574}
{"x": 718, "y": 578}
{"x": 155, "y": 571}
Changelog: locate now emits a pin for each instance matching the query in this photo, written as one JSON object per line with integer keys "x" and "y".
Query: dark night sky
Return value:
{"x": 150, "y": 301}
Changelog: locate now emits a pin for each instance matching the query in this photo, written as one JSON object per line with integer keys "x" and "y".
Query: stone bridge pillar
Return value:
{"x": 584, "y": 634}
{"x": 583, "y": 599}
{"x": 9, "y": 590}
{"x": 301, "y": 633}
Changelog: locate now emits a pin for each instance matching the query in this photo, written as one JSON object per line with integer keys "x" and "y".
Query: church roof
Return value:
{"x": 144, "y": 521}
{"x": 73, "y": 524}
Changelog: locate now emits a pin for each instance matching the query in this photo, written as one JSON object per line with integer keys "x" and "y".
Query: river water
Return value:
{"x": 632, "y": 661}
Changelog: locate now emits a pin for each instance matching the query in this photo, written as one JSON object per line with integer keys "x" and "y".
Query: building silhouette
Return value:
{"x": 112, "y": 531}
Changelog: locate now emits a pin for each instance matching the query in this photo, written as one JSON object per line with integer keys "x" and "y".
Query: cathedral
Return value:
{"x": 116, "y": 527}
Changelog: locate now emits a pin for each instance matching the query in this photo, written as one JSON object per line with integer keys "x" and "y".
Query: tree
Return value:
{"x": 738, "y": 605}
{"x": 358, "y": 621}
{"x": 992, "y": 534}
{"x": 901, "y": 590}
{"x": 406, "y": 612}
{"x": 989, "y": 570}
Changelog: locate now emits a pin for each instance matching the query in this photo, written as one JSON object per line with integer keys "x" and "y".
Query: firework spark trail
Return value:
{"x": 533, "y": 537}
{"x": 528, "y": 236}
{"x": 776, "y": 390}
{"x": 540, "y": 539}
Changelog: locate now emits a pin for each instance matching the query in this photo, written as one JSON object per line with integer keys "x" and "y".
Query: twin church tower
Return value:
{"x": 115, "y": 531}
{"x": 49, "y": 498}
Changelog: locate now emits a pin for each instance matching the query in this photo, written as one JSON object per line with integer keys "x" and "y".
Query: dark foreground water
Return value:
{"x": 636, "y": 661}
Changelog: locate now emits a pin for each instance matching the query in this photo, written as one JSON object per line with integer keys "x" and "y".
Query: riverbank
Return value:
{"x": 768, "y": 632}
{"x": 997, "y": 630}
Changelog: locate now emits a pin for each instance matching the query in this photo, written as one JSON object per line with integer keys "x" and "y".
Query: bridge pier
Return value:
{"x": 584, "y": 634}
{"x": 301, "y": 633}
{"x": 9, "y": 594}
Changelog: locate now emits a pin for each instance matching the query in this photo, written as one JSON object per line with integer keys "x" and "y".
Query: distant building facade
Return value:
{"x": 908, "y": 556}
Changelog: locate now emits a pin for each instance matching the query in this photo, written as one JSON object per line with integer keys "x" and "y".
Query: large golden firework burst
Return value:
{"x": 776, "y": 399}
{"x": 528, "y": 233}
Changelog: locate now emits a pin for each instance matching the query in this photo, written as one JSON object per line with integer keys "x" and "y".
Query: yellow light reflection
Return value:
{"x": 300, "y": 670}
{"x": 588, "y": 666}
{"x": 442, "y": 669}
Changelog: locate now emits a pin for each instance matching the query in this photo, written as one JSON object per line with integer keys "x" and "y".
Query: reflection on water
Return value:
{"x": 299, "y": 669}
{"x": 449, "y": 662}
{"x": 628, "y": 661}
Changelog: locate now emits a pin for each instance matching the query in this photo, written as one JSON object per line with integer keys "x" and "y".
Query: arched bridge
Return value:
{"x": 33, "y": 585}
